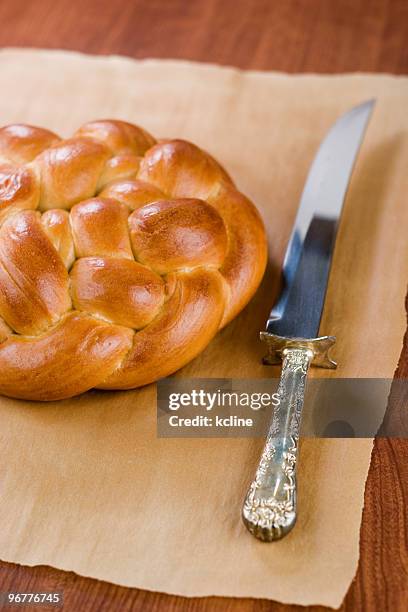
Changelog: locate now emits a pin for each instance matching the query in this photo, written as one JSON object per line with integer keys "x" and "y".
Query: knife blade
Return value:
{"x": 292, "y": 330}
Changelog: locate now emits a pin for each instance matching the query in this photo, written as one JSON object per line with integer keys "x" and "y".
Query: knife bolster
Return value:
{"x": 320, "y": 348}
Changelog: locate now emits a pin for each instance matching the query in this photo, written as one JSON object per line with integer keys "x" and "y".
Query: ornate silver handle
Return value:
{"x": 269, "y": 510}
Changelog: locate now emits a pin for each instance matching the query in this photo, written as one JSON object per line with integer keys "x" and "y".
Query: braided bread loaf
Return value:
{"x": 120, "y": 257}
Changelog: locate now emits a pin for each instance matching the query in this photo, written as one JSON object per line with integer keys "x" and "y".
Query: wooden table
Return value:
{"x": 290, "y": 35}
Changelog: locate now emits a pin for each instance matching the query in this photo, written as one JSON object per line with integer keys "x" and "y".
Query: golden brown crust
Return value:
{"x": 140, "y": 253}
{"x": 133, "y": 193}
{"x": 68, "y": 359}
{"x": 183, "y": 329}
{"x": 120, "y": 136}
{"x": 21, "y": 143}
{"x": 19, "y": 189}
{"x": 33, "y": 280}
{"x": 245, "y": 263}
{"x": 56, "y": 224}
{"x": 169, "y": 235}
{"x": 120, "y": 167}
{"x": 118, "y": 290}
{"x": 69, "y": 171}
{"x": 181, "y": 170}
{"x": 100, "y": 227}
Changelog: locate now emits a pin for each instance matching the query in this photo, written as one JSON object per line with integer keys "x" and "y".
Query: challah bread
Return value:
{"x": 120, "y": 257}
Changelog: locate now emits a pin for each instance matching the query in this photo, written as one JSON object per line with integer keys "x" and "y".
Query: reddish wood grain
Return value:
{"x": 290, "y": 35}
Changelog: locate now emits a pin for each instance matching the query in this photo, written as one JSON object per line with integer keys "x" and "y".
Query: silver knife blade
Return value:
{"x": 298, "y": 310}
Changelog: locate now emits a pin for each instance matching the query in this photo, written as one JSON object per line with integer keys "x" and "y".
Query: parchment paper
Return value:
{"x": 85, "y": 484}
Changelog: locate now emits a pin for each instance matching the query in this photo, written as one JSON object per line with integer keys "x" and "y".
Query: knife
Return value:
{"x": 270, "y": 507}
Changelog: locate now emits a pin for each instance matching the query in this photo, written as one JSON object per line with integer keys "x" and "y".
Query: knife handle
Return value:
{"x": 269, "y": 510}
